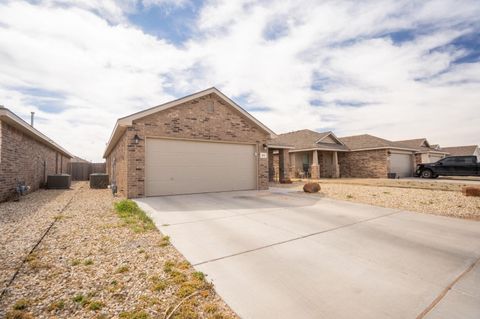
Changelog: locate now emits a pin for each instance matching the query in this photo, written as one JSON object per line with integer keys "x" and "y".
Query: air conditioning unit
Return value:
{"x": 98, "y": 180}
{"x": 59, "y": 181}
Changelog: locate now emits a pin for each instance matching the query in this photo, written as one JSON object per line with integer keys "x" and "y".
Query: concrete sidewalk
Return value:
{"x": 278, "y": 254}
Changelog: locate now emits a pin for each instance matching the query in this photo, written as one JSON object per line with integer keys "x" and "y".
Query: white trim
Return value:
{"x": 330, "y": 133}
{"x": 12, "y": 119}
{"x": 317, "y": 149}
{"x": 280, "y": 146}
{"x": 128, "y": 120}
{"x": 383, "y": 148}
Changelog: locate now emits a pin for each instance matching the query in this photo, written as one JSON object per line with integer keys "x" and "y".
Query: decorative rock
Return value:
{"x": 471, "y": 191}
{"x": 286, "y": 181}
{"x": 311, "y": 187}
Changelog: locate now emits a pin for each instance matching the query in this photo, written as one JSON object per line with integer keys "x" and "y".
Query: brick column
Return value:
{"x": 315, "y": 168}
{"x": 284, "y": 165}
{"x": 271, "y": 170}
{"x": 336, "y": 167}
{"x": 293, "y": 169}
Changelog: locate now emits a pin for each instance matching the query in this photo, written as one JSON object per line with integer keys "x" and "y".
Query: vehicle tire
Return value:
{"x": 426, "y": 173}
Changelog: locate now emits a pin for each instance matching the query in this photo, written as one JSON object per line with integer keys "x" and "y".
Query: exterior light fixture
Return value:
{"x": 136, "y": 139}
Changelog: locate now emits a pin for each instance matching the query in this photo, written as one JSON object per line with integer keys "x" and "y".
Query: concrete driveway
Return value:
{"x": 281, "y": 254}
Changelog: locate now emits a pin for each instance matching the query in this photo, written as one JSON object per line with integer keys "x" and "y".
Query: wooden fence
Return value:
{"x": 82, "y": 171}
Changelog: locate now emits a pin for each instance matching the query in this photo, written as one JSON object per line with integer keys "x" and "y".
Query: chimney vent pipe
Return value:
{"x": 31, "y": 118}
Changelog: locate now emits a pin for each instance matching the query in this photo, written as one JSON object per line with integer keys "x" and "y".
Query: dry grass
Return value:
{"x": 96, "y": 262}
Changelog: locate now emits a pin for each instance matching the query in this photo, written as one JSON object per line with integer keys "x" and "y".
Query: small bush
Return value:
{"x": 165, "y": 241}
{"x": 95, "y": 305}
{"x": 81, "y": 299}
{"x": 75, "y": 262}
{"x": 21, "y": 304}
{"x": 133, "y": 216}
{"x": 122, "y": 269}
{"x": 17, "y": 314}
{"x": 168, "y": 266}
{"x": 199, "y": 275}
{"x": 158, "y": 284}
{"x": 57, "y": 305}
{"x": 88, "y": 262}
{"x": 134, "y": 315}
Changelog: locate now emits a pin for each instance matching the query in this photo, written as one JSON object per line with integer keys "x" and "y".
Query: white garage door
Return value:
{"x": 188, "y": 167}
{"x": 401, "y": 164}
{"x": 434, "y": 158}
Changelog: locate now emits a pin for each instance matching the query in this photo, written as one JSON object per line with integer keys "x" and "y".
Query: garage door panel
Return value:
{"x": 401, "y": 164}
{"x": 434, "y": 158}
{"x": 185, "y": 167}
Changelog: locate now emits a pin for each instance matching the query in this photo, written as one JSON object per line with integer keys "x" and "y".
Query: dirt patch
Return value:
{"x": 93, "y": 265}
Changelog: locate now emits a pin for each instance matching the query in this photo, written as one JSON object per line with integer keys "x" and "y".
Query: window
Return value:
{"x": 458, "y": 161}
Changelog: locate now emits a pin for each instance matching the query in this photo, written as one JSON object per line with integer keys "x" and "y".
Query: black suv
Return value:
{"x": 450, "y": 166}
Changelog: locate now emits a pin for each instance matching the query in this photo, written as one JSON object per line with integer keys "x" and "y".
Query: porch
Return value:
{"x": 284, "y": 164}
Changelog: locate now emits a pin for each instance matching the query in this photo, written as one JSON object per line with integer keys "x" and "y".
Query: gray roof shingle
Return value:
{"x": 306, "y": 139}
{"x": 460, "y": 150}
{"x": 367, "y": 141}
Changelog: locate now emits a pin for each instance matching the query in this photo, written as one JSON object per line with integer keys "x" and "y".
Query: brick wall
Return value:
{"x": 205, "y": 118}
{"x": 23, "y": 159}
{"x": 118, "y": 171}
{"x": 364, "y": 164}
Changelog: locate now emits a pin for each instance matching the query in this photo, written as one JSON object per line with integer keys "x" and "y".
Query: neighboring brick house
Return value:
{"x": 425, "y": 152}
{"x": 319, "y": 155}
{"x": 26, "y": 155}
{"x": 311, "y": 154}
{"x": 203, "y": 142}
{"x": 372, "y": 156}
{"x": 463, "y": 150}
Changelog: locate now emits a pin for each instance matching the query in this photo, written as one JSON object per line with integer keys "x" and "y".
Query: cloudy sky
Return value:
{"x": 395, "y": 69}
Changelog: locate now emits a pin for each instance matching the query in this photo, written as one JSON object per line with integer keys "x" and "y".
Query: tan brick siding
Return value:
{"x": 118, "y": 174}
{"x": 364, "y": 164}
{"x": 23, "y": 159}
{"x": 205, "y": 118}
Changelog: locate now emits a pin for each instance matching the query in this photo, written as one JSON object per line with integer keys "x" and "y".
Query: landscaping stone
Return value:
{"x": 311, "y": 187}
{"x": 471, "y": 191}
{"x": 91, "y": 264}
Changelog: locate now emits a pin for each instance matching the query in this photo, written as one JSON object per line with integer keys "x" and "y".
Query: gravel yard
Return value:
{"x": 430, "y": 201}
{"x": 93, "y": 265}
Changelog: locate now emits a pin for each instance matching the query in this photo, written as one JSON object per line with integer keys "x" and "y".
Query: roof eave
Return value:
{"x": 317, "y": 149}
{"x": 118, "y": 131}
{"x": 384, "y": 148}
{"x": 14, "y": 120}
{"x": 130, "y": 118}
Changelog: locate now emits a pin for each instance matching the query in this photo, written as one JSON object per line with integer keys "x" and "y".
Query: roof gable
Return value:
{"x": 368, "y": 142}
{"x": 308, "y": 139}
{"x": 330, "y": 138}
{"x": 126, "y": 121}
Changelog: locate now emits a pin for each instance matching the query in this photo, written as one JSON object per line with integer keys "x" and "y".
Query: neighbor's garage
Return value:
{"x": 401, "y": 164}
{"x": 432, "y": 158}
{"x": 187, "y": 167}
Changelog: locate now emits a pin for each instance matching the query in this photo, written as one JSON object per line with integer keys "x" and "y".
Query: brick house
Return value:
{"x": 425, "y": 152}
{"x": 203, "y": 142}
{"x": 26, "y": 155}
{"x": 466, "y": 150}
{"x": 323, "y": 155}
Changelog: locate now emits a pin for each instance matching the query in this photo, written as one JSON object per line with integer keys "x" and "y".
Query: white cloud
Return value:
{"x": 99, "y": 67}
